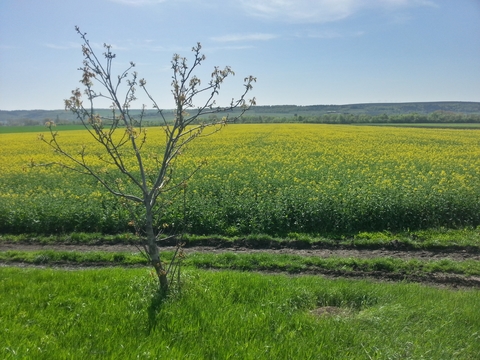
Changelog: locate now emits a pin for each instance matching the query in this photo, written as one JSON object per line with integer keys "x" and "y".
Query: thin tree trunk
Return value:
{"x": 154, "y": 253}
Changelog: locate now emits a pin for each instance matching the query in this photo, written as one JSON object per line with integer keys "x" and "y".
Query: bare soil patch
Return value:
{"x": 328, "y": 311}
{"x": 460, "y": 255}
{"x": 437, "y": 279}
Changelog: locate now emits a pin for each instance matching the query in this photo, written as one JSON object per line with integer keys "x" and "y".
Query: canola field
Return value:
{"x": 271, "y": 179}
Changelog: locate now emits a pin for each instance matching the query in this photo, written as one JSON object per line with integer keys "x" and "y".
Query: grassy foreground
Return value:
{"x": 113, "y": 313}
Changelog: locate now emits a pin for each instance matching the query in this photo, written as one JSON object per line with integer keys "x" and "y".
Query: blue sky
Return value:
{"x": 303, "y": 52}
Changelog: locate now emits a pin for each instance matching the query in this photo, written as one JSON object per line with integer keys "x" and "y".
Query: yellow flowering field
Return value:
{"x": 270, "y": 178}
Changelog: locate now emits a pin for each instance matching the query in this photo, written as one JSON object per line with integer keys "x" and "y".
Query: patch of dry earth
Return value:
{"x": 348, "y": 253}
{"x": 436, "y": 279}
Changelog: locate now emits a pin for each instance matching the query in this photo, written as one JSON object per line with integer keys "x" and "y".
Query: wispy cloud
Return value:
{"x": 321, "y": 11}
{"x": 114, "y": 47}
{"x": 74, "y": 45}
{"x": 244, "y": 37}
{"x": 229, "y": 47}
{"x": 301, "y": 10}
{"x": 138, "y": 2}
{"x": 6, "y": 47}
{"x": 67, "y": 46}
{"x": 326, "y": 35}
{"x": 329, "y": 34}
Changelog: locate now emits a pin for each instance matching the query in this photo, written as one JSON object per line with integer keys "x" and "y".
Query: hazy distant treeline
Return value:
{"x": 257, "y": 117}
{"x": 435, "y": 117}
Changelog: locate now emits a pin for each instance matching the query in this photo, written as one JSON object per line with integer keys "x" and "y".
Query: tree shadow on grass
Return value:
{"x": 154, "y": 308}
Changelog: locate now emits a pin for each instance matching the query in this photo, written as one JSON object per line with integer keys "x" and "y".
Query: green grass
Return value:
{"x": 251, "y": 262}
{"x": 297, "y": 263}
{"x": 429, "y": 125}
{"x": 36, "y": 128}
{"x": 114, "y": 314}
{"x": 77, "y": 238}
{"x": 438, "y": 239}
{"x": 156, "y": 121}
{"x": 51, "y": 257}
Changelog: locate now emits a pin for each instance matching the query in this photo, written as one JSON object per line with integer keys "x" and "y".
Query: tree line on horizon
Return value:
{"x": 336, "y": 118}
{"x": 272, "y": 114}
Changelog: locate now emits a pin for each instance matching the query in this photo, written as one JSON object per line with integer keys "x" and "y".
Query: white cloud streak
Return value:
{"x": 321, "y": 11}
{"x": 70, "y": 45}
{"x": 138, "y": 2}
{"x": 244, "y": 37}
{"x": 328, "y": 34}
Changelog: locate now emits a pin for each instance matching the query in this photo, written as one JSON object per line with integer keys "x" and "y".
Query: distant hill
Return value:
{"x": 32, "y": 117}
{"x": 373, "y": 109}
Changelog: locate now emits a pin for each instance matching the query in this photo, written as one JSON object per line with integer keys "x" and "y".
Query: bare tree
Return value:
{"x": 122, "y": 135}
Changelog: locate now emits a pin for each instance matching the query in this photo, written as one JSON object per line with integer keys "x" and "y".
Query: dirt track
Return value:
{"x": 353, "y": 253}
{"x": 437, "y": 279}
